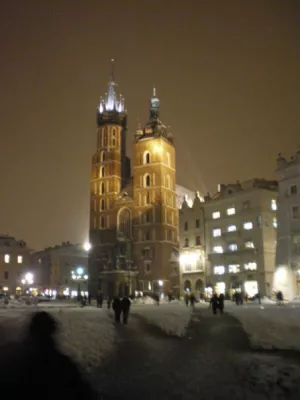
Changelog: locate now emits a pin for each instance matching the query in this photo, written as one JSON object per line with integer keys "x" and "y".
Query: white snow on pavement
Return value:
{"x": 270, "y": 326}
{"x": 172, "y": 318}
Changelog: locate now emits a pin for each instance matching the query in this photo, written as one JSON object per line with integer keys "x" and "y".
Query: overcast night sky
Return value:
{"x": 227, "y": 73}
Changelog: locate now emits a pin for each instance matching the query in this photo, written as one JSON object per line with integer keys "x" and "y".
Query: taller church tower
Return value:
{"x": 155, "y": 211}
{"x": 110, "y": 173}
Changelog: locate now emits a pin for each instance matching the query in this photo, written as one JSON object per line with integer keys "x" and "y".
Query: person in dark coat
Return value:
{"x": 221, "y": 303}
{"x": 90, "y": 299}
{"x": 214, "y": 302}
{"x": 99, "y": 300}
{"x": 36, "y": 366}
{"x": 192, "y": 301}
{"x": 117, "y": 307}
{"x": 125, "y": 303}
{"x": 187, "y": 300}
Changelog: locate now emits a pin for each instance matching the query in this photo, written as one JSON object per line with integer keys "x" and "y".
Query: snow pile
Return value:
{"x": 143, "y": 300}
{"x": 172, "y": 318}
{"x": 266, "y": 300}
{"x": 86, "y": 334}
{"x": 272, "y": 327}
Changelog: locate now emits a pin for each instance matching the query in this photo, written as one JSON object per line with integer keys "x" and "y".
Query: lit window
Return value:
{"x": 20, "y": 259}
{"x": 231, "y": 228}
{"x": 234, "y": 268}
{"x": 7, "y": 258}
{"x": 219, "y": 270}
{"x": 102, "y": 172}
{"x": 274, "y": 205}
{"x": 252, "y": 266}
{"x": 216, "y": 214}
{"x": 231, "y": 211}
{"x": 248, "y": 226}
{"x": 275, "y": 222}
{"x": 232, "y": 247}
{"x": 218, "y": 249}
{"x": 216, "y": 232}
{"x": 249, "y": 244}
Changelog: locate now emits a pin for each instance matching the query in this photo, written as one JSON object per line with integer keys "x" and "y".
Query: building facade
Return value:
{"x": 287, "y": 275}
{"x": 133, "y": 218}
{"x": 56, "y": 268}
{"x": 241, "y": 227}
{"x": 15, "y": 262}
{"x": 228, "y": 241}
{"x": 193, "y": 263}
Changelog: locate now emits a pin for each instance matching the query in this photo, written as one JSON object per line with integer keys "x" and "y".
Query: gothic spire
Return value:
{"x": 154, "y": 105}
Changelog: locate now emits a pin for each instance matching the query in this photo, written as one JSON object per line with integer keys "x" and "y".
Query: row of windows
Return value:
{"x": 8, "y": 259}
{"x": 248, "y": 225}
{"x": 197, "y": 241}
{"x": 105, "y": 139}
{"x": 148, "y": 158}
{"x": 101, "y": 205}
{"x": 246, "y": 204}
{"x": 145, "y": 235}
{"x": 150, "y": 197}
{"x": 150, "y": 181}
{"x": 197, "y": 225}
{"x": 234, "y": 268}
{"x": 233, "y": 247}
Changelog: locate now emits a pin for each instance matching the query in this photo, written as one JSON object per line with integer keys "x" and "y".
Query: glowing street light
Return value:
{"x": 79, "y": 276}
{"x": 87, "y": 246}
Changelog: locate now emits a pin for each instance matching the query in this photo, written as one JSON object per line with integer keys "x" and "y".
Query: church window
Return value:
{"x": 168, "y": 159}
{"x": 167, "y": 181}
{"x": 124, "y": 223}
{"x": 102, "y": 204}
{"x": 104, "y": 138}
{"x": 113, "y": 137}
{"x": 102, "y": 157}
{"x": 148, "y": 215}
{"x": 147, "y": 180}
{"x": 146, "y": 158}
{"x": 147, "y": 198}
{"x": 102, "y": 187}
{"x": 102, "y": 222}
{"x": 102, "y": 172}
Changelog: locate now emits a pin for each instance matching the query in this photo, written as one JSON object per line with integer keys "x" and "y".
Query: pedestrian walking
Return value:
{"x": 117, "y": 307}
{"x": 221, "y": 303}
{"x": 192, "y": 301}
{"x": 125, "y": 306}
{"x": 214, "y": 303}
{"x": 187, "y": 300}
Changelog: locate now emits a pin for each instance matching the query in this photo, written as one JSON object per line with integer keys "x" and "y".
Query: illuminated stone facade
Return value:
{"x": 133, "y": 218}
{"x": 287, "y": 275}
{"x": 236, "y": 235}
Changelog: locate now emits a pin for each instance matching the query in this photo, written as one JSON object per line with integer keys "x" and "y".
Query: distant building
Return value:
{"x": 236, "y": 229}
{"x": 287, "y": 276}
{"x": 55, "y": 269}
{"x": 15, "y": 261}
{"x": 192, "y": 245}
{"x": 133, "y": 218}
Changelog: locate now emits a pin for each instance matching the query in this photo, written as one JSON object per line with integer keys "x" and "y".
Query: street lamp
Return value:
{"x": 87, "y": 246}
{"x": 28, "y": 279}
{"x": 79, "y": 276}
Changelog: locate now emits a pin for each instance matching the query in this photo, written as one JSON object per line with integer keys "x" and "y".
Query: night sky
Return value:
{"x": 227, "y": 73}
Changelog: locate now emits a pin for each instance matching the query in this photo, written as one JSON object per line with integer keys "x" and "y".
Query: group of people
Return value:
{"x": 217, "y": 303}
{"x": 121, "y": 306}
{"x": 190, "y": 300}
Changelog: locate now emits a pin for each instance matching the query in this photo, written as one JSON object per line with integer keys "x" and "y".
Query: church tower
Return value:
{"x": 155, "y": 228}
{"x": 110, "y": 173}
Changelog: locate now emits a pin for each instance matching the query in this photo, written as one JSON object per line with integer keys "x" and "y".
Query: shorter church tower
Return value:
{"x": 155, "y": 212}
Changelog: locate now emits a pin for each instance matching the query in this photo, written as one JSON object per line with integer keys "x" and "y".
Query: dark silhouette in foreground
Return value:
{"x": 125, "y": 303}
{"x": 35, "y": 366}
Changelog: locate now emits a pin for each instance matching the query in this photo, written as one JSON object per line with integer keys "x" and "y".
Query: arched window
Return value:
{"x": 124, "y": 223}
{"x": 186, "y": 242}
{"x": 167, "y": 181}
{"x": 147, "y": 180}
{"x": 146, "y": 158}
{"x": 102, "y": 187}
{"x": 102, "y": 204}
{"x": 113, "y": 137}
{"x": 102, "y": 172}
{"x": 102, "y": 157}
{"x": 147, "y": 198}
{"x": 199, "y": 285}
{"x": 168, "y": 159}
{"x": 102, "y": 222}
{"x": 187, "y": 286}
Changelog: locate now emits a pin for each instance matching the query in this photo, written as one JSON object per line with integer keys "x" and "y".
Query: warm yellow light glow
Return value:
{"x": 87, "y": 246}
{"x": 18, "y": 288}
{"x": 157, "y": 148}
{"x": 7, "y": 258}
{"x": 5, "y": 289}
{"x": 251, "y": 288}
{"x": 20, "y": 259}
{"x": 189, "y": 258}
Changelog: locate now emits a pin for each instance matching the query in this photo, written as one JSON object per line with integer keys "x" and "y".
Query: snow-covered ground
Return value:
{"x": 172, "y": 318}
{"x": 270, "y": 326}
